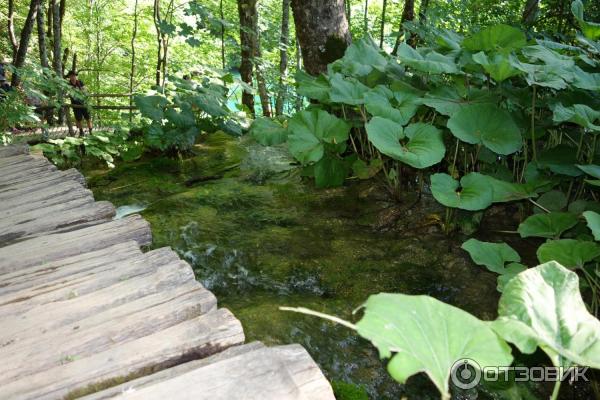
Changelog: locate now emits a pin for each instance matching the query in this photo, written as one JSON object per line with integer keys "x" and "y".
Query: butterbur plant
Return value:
{"x": 540, "y": 307}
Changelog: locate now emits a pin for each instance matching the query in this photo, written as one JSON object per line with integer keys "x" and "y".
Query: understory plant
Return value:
{"x": 541, "y": 307}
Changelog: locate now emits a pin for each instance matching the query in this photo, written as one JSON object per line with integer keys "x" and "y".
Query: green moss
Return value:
{"x": 348, "y": 391}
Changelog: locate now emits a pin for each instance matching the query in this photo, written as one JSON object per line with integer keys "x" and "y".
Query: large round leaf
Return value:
{"x": 428, "y": 336}
{"x": 547, "y": 225}
{"x": 378, "y": 102}
{"x": 569, "y": 252}
{"x": 310, "y": 129}
{"x": 472, "y": 193}
{"x": 268, "y": 132}
{"x": 543, "y": 307}
{"x": 347, "y": 90}
{"x": 579, "y": 114}
{"x": 593, "y": 222}
{"x": 448, "y": 101}
{"x": 330, "y": 171}
{"x": 498, "y": 66}
{"x": 488, "y": 125}
{"x": 491, "y": 255}
{"x": 431, "y": 62}
{"x": 423, "y": 149}
{"x": 499, "y": 38}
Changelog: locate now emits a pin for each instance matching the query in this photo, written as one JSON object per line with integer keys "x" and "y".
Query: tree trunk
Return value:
{"x": 11, "y": 29}
{"x": 366, "y": 18}
{"x": 408, "y": 14}
{"x": 348, "y": 5}
{"x": 423, "y": 10}
{"x": 132, "y": 70}
{"x": 283, "y": 59}
{"x": 530, "y": 12}
{"x": 41, "y": 21}
{"x": 265, "y": 101}
{"x": 322, "y": 30}
{"x": 19, "y": 60}
{"x": 299, "y": 99}
{"x": 382, "y": 32}
{"x": 247, "y": 15}
{"x": 159, "y": 58}
{"x": 222, "y": 15}
{"x": 56, "y": 53}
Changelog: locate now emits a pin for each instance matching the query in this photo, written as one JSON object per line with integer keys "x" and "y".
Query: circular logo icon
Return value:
{"x": 465, "y": 373}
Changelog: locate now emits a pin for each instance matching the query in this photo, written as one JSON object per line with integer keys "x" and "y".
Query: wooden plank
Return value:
{"x": 31, "y": 163}
{"x": 277, "y": 373}
{"x": 169, "y": 373}
{"x": 51, "y": 195}
{"x": 23, "y": 189}
{"x": 56, "y": 218}
{"x": 8, "y": 151}
{"x": 102, "y": 331}
{"x": 17, "y": 159}
{"x": 43, "y": 276}
{"x": 56, "y": 246}
{"x": 198, "y": 337}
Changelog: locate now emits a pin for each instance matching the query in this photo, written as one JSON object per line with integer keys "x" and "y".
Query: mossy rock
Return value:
{"x": 349, "y": 391}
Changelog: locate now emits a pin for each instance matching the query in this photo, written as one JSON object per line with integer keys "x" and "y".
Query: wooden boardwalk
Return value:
{"x": 84, "y": 313}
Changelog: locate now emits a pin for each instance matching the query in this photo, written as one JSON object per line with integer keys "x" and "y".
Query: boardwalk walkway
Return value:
{"x": 84, "y": 313}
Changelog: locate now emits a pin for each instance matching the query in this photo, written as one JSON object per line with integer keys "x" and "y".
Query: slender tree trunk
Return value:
{"x": 56, "y": 52}
{"x": 408, "y": 14}
{"x": 222, "y": 15}
{"x": 41, "y": 32}
{"x": 299, "y": 99}
{"x": 382, "y": 31}
{"x": 283, "y": 59}
{"x": 11, "y": 29}
{"x": 263, "y": 94}
{"x": 165, "y": 42}
{"x": 247, "y": 15}
{"x": 19, "y": 60}
{"x": 366, "y": 18}
{"x": 322, "y": 30}
{"x": 423, "y": 10}
{"x": 530, "y": 12}
{"x": 132, "y": 70}
{"x": 348, "y": 5}
{"x": 159, "y": 58}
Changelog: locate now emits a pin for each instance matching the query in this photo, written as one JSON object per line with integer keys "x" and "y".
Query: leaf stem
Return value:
{"x": 533, "y": 149}
{"x": 556, "y": 389}
{"x": 328, "y": 317}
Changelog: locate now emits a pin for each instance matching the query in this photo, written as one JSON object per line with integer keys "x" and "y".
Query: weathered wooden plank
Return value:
{"x": 32, "y": 163}
{"x": 56, "y": 194}
{"x": 197, "y": 337}
{"x": 27, "y": 175}
{"x": 175, "y": 371}
{"x": 96, "y": 274}
{"x": 102, "y": 331}
{"x": 17, "y": 159}
{"x": 8, "y": 151}
{"x": 74, "y": 307}
{"x": 276, "y": 373}
{"x": 55, "y": 246}
{"x": 44, "y": 277}
{"x": 56, "y": 218}
{"x": 22, "y": 189}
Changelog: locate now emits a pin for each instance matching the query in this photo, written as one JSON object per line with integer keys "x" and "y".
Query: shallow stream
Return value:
{"x": 260, "y": 238}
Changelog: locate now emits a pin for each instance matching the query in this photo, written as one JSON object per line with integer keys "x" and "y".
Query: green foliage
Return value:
{"x": 493, "y": 256}
{"x": 550, "y": 225}
{"x": 571, "y": 253}
{"x": 426, "y": 335}
{"x": 472, "y": 193}
{"x": 543, "y": 307}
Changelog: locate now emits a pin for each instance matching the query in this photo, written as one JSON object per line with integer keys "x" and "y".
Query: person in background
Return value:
{"x": 80, "y": 109}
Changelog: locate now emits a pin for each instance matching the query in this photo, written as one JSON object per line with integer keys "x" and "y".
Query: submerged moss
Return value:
{"x": 259, "y": 239}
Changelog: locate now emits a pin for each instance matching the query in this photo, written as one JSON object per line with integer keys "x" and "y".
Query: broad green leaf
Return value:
{"x": 472, "y": 193}
{"x": 431, "y": 62}
{"x": 568, "y": 252}
{"x": 591, "y": 169}
{"x": 543, "y": 307}
{"x": 422, "y": 334}
{"x": 361, "y": 57}
{"x": 330, "y": 172}
{"x": 552, "y": 76}
{"x": 547, "y": 225}
{"x": 268, "y": 132}
{"x": 508, "y": 191}
{"x": 585, "y": 80}
{"x": 378, "y": 102}
{"x": 593, "y": 222}
{"x": 424, "y": 148}
{"x": 347, "y": 90}
{"x": 446, "y": 99}
{"x": 497, "y": 38}
{"x": 590, "y": 29}
{"x": 554, "y": 200}
{"x": 309, "y": 130}
{"x": 511, "y": 270}
{"x": 560, "y": 159}
{"x": 498, "y": 67}
{"x": 579, "y": 114}
{"x": 151, "y": 106}
{"x": 314, "y": 88}
{"x": 488, "y": 125}
{"x": 548, "y": 56}
{"x": 493, "y": 256}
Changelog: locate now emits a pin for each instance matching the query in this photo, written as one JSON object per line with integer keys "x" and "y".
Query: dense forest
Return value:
{"x": 471, "y": 124}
